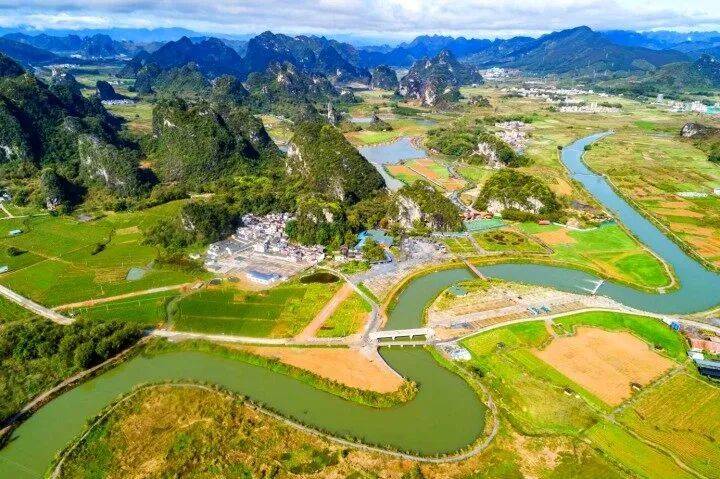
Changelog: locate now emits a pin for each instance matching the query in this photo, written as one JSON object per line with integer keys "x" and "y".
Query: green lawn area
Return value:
{"x": 682, "y": 413}
{"x": 347, "y": 319}
{"x": 475, "y": 173}
{"x": 607, "y": 249}
{"x": 639, "y": 459}
{"x": 282, "y": 311}
{"x": 58, "y": 265}
{"x": 505, "y": 240}
{"x": 148, "y": 310}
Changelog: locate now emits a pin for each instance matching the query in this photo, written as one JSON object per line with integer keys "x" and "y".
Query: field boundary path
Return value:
{"x": 326, "y": 312}
{"x": 109, "y": 299}
{"x": 34, "y": 307}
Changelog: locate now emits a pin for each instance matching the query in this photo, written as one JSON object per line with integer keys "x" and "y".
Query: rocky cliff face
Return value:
{"x": 434, "y": 81}
{"x": 698, "y": 131}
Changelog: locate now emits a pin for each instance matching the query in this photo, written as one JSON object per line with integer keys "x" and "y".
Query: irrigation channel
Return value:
{"x": 444, "y": 417}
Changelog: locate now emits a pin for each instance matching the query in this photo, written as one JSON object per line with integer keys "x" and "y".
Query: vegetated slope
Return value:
{"x": 582, "y": 51}
{"x": 54, "y": 126}
{"x": 707, "y": 138}
{"x": 511, "y": 190}
{"x": 329, "y": 164}
{"x": 422, "y": 206}
{"x": 434, "y": 81}
{"x": 24, "y": 53}
{"x": 308, "y": 54}
{"x": 212, "y": 57}
{"x": 284, "y": 90}
{"x": 700, "y": 75}
{"x": 384, "y": 78}
{"x": 194, "y": 144}
{"x": 186, "y": 81}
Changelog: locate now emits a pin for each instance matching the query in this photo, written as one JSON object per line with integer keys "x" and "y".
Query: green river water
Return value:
{"x": 445, "y": 416}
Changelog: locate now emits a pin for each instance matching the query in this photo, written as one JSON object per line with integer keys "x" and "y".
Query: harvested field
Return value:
{"x": 680, "y": 212}
{"x": 562, "y": 187}
{"x": 343, "y": 365}
{"x": 558, "y": 236}
{"x": 605, "y": 363}
{"x": 403, "y": 173}
{"x": 435, "y": 173}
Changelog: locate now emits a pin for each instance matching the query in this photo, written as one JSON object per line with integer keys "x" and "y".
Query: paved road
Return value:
{"x": 34, "y": 307}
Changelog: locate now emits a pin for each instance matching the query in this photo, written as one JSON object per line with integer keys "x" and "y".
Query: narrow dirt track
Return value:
{"x": 314, "y": 326}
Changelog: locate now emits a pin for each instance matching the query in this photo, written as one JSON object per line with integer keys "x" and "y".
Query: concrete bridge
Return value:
{"x": 403, "y": 333}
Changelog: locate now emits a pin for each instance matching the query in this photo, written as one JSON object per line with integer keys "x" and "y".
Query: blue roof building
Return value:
{"x": 262, "y": 278}
{"x": 378, "y": 235}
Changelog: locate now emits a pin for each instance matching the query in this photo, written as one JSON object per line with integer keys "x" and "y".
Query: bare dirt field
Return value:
{"x": 562, "y": 187}
{"x": 559, "y": 236}
{"x": 605, "y": 363}
{"x": 346, "y": 366}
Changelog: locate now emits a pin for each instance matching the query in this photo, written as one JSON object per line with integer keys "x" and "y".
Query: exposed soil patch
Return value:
{"x": 343, "y": 365}
{"x": 314, "y": 326}
{"x": 605, "y": 363}
{"x": 559, "y": 236}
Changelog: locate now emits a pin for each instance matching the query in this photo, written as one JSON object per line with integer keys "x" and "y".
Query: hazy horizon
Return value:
{"x": 372, "y": 21}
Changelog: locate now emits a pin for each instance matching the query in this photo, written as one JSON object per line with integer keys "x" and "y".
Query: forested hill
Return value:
{"x": 51, "y": 128}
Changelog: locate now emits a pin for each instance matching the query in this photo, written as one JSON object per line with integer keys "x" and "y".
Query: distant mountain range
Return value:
{"x": 578, "y": 51}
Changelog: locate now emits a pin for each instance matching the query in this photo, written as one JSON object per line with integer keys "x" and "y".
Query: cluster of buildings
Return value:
{"x": 496, "y": 73}
{"x": 261, "y": 251}
{"x": 592, "y": 107}
{"x": 514, "y": 133}
{"x": 676, "y": 106}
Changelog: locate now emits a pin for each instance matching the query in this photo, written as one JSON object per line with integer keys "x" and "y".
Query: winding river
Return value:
{"x": 446, "y": 414}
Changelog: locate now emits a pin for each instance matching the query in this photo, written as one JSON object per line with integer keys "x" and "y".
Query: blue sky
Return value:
{"x": 391, "y": 19}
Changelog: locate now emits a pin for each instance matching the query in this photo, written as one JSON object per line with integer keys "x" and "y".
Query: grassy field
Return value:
{"x": 607, "y": 249}
{"x": 530, "y": 393}
{"x": 460, "y": 246}
{"x": 148, "y": 310}
{"x": 10, "y": 311}
{"x": 220, "y": 437}
{"x": 137, "y": 115}
{"x": 347, "y": 319}
{"x": 636, "y": 457}
{"x": 62, "y": 251}
{"x": 683, "y": 415}
{"x": 282, "y": 311}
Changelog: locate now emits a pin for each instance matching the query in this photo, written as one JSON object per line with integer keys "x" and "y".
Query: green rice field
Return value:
{"x": 279, "y": 312}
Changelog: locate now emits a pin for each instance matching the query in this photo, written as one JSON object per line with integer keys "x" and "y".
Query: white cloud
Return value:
{"x": 381, "y": 18}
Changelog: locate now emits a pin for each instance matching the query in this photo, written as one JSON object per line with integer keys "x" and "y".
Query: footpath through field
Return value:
{"x": 94, "y": 302}
{"x": 314, "y": 326}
